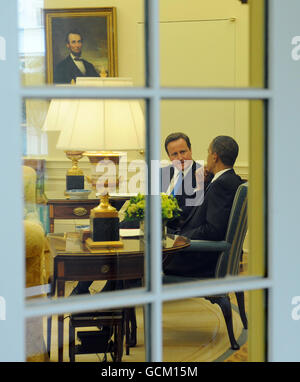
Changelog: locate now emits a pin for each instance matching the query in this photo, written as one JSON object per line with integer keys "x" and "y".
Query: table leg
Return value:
{"x": 51, "y": 218}
{"x": 60, "y": 322}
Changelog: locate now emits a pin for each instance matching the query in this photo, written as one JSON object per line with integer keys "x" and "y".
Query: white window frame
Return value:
{"x": 283, "y": 262}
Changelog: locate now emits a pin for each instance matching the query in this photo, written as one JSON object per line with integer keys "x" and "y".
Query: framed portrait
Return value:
{"x": 80, "y": 42}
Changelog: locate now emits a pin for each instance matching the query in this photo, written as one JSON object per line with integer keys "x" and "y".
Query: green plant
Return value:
{"x": 136, "y": 207}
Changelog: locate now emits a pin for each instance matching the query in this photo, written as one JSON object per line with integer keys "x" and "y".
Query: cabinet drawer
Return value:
{"x": 72, "y": 211}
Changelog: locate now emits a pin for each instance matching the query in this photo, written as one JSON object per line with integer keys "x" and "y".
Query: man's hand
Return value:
{"x": 207, "y": 174}
{"x": 200, "y": 177}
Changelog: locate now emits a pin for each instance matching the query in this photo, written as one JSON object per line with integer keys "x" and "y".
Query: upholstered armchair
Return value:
{"x": 36, "y": 267}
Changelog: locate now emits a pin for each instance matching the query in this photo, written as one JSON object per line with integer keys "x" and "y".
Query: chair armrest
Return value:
{"x": 208, "y": 246}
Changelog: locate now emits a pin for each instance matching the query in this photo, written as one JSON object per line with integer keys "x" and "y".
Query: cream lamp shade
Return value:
{"x": 88, "y": 125}
{"x": 102, "y": 124}
{"x": 58, "y": 111}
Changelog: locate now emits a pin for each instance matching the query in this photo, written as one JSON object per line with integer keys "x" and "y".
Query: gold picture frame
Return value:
{"x": 97, "y": 29}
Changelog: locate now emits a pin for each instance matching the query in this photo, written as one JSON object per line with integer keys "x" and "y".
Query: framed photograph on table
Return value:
{"x": 80, "y": 42}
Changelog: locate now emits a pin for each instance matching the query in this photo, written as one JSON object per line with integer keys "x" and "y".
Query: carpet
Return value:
{"x": 194, "y": 330}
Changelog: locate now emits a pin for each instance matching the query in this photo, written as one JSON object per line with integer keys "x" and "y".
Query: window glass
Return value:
{"x": 206, "y": 123}
{"x": 105, "y": 38}
{"x": 212, "y": 43}
{"x": 203, "y": 337}
{"x": 83, "y": 162}
{"x": 110, "y": 335}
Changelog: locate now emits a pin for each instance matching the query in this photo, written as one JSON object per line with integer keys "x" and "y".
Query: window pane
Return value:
{"x": 98, "y": 336}
{"x": 218, "y": 43}
{"x": 207, "y": 217}
{"x": 194, "y": 330}
{"x": 68, "y": 170}
{"x": 36, "y": 340}
{"x": 110, "y": 43}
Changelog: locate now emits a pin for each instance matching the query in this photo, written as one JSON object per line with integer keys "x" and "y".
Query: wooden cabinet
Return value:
{"x": 62, "y": 208}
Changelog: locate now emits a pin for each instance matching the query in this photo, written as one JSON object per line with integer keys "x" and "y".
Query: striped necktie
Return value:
{"x": 177, "y": 185}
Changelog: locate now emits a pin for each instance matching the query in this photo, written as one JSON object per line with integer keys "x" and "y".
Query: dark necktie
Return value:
{"x": 177, "y": 185}
{"x": 77, "y": 59}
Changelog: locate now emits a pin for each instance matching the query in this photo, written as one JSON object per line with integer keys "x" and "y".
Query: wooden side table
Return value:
{"x": 60, "y": 207}
{"x": 125, "y": 263}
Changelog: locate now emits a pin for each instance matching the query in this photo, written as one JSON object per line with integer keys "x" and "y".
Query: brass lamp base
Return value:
{"x": 104, "y": 219}
{"x": 96, "y": 245}
{"x": 74, "y": 156}
{"x": 104, "y": 209}
{"x": 74, "y": 182}
{"x": 104, "y": 222}
{"x": 75, "y": 177}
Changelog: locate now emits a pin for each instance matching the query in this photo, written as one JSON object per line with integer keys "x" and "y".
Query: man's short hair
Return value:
{"x": 174, "y": 136}
{"x": 226, "y": 148}
{"x": 73, "y": 31}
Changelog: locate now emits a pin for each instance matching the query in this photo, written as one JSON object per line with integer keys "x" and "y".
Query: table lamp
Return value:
{"x": 59, "y": 115}
{"x": 101, "y": 128}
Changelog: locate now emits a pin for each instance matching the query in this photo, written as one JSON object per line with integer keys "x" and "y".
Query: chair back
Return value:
{"x": 229, "y": 261}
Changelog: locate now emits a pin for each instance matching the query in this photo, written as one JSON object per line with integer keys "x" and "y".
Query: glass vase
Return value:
{"x": 163, "y": 233}
{"x": 142, "y": 228}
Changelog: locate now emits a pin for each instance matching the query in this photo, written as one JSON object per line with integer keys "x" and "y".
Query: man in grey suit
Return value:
{"x": 209, "y": 220}
{"x": 185, "y": 178}
{"x": 73, "y": 65}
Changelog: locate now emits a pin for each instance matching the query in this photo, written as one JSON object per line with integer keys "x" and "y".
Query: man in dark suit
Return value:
{"x": 73, "y": 65}
{"x": 209, "y": 220}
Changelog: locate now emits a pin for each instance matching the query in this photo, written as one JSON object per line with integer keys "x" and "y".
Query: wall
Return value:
{"x": 203, "y": 43}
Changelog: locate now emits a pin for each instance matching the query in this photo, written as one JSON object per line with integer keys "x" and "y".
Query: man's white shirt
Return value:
{"x": 219, "y": 173}
{"x": 176, "y": 176}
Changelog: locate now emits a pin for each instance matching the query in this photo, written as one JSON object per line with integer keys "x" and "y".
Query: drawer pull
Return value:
{"x": 80, "y": 211}
{"x": 105, "y": 268}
